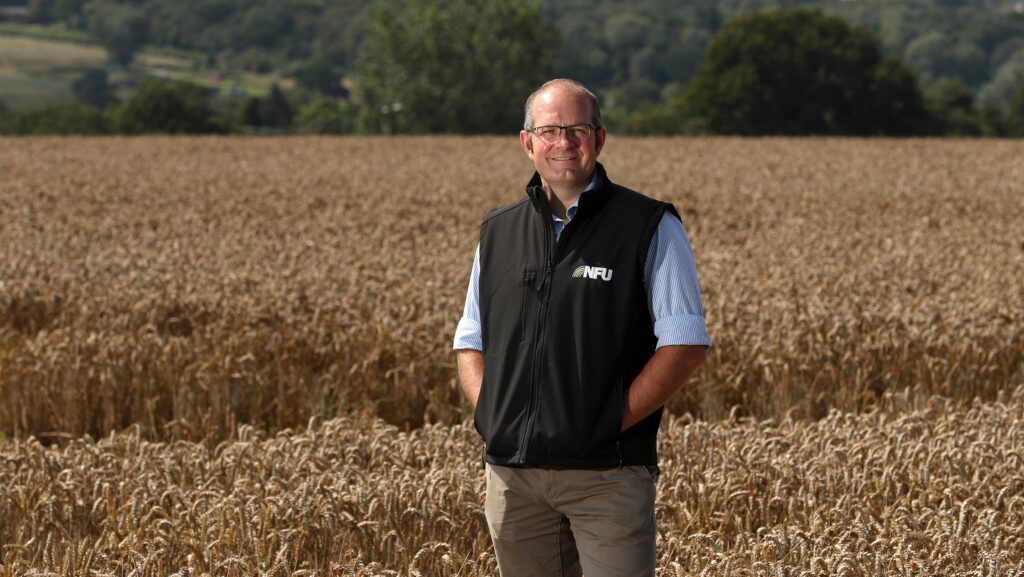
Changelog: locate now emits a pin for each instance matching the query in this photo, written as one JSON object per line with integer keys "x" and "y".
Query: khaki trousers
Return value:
{"x": 548, "y": 522}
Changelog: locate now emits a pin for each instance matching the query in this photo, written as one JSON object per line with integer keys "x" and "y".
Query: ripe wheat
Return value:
{"x": 932, "y": 491}
{"x": 193, "y": 285}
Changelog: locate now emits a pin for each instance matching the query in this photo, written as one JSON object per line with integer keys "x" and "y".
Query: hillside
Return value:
{"x": 632, "y": 52}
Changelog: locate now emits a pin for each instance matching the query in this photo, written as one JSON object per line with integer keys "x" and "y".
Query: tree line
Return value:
{"x": 466, "y": 66}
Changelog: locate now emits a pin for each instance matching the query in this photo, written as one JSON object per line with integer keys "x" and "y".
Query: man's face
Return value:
{"x": 567, "y": 162}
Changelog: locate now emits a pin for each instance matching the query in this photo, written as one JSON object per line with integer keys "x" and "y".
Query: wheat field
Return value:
{"x": 231, "y": 356}
{"x": 935, "y": 490}
{"x": 189, "y": 286}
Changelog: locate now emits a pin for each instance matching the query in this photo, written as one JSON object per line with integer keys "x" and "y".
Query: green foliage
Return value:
{"x": 929, "y": 54}
{"x": 123, "y": 29}
{"x": 272, "y": 111}
{"x": 326, "y": 116}
{"x": 646, "y": 119}
{"x": 629, "y": 51}
{"x": 801, "y": 72}
{"x": 1015, "y": 115}
{"x": 93, "y": 88}
{"x": 950, "y": 103}
{"x": 8, "y": 121}
{"x": 896, "y": 106}
{"x": 465, "y": 66}
{"x": 1005, "y": 81}
{"x": 63, "y": 118}
{"x": 173, "y": 108}
{"x": 934, "y": 55}
{"x": 48, "y": 11}
{"x": 321, "y": 75}
{"x": 607, "y": 43}
{"x": 263, "y": 35}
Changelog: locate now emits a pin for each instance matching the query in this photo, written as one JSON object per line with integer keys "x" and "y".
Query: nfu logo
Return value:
{"x": 592, "y": 272}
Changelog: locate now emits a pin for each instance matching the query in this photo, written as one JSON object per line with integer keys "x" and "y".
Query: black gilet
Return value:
{"x": 566, "y": 328}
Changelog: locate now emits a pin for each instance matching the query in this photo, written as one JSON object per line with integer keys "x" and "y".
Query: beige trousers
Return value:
{"x": 570, "y": 522}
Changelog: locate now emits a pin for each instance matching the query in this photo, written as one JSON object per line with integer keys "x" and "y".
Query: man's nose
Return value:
{"x": 564, "y": 138}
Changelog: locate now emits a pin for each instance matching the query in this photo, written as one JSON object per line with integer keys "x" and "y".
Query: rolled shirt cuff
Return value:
{"x": 467, "y": 335}
{"x": 684, "y": 329}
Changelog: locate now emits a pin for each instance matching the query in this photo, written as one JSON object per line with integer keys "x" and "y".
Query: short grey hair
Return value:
{"x": 570, "y": 85}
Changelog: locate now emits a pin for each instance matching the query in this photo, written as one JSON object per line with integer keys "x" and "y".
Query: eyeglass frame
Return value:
{"x": 564, "y": 128}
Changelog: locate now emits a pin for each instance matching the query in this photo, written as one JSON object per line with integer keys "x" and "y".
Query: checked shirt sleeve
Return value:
{"x": 673, "y": 294}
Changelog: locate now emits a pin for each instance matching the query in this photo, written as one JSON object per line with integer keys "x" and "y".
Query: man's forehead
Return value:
{"x": 559, "y": 100}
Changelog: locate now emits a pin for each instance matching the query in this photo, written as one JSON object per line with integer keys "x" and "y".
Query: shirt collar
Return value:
{"x": 570, "y": 212}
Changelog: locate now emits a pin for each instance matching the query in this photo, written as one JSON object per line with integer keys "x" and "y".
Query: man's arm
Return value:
{"x": 471, "y": 373}
{"x": 664, "y": 374}
{"x": 678, "y": 316}
{"x": 468, "y": 341}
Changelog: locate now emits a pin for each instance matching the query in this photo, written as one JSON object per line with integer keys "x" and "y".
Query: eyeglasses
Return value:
{"x": 551, "y": 134}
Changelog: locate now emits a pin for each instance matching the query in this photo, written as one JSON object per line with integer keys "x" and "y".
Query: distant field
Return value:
{"x": 37, "y": 68}
{"x": 191, "y": 285}
{"x": 38, "y": 54}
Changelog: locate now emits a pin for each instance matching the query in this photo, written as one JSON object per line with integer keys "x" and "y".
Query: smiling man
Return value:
{"x": 583, "y": 316}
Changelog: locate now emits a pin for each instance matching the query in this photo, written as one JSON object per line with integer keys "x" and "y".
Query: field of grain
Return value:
{"x": 193, "y": 285}
{"x": 908, "y": 492}
{"x": 231, "y": 356}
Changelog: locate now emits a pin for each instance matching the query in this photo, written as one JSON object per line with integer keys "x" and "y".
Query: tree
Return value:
{"x": 122, "y": 29}
{"x": 161, "y": 107}
{"x": 93, "y": 88}
{"x": 950, "y": 102}
{"x": 801, "y": 72}
{"x": 322, "y": 76}
{"x": 325, "y": 116}
{"x": 49, "y": 11}
{"x": 462, "y": 66}
{"x": 64, "y": 118}
{"x": 1005, "y": 81}
{"x": 272, "y": 111}
{"x": 897, "y": 107}
{"x": 8, "y": 121}
{"x": 930, "y": 55}
{"x": 1015, "y": 115}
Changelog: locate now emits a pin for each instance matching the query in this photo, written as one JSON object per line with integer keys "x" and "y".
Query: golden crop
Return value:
{"x": 902, "y": 492}
{"x": 189, "y": 293}
{"x": 193, "y": 285}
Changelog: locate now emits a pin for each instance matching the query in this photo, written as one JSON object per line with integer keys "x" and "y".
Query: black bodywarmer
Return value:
{"x": 566, "y": 327}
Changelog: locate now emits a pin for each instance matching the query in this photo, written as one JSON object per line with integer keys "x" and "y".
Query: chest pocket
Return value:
{"x": 512, "y": 309}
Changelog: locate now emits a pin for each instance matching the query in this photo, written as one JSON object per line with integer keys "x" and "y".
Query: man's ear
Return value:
{"x": 524, "y": 139}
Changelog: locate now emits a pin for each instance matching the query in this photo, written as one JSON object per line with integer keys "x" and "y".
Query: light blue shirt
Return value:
{"x": 670, "y": 276}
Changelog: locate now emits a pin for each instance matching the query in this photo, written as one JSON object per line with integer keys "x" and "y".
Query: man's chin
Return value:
{"x": 568, "y": 177}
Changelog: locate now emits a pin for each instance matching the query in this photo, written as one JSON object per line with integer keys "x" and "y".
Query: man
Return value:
{"x": 582, "y": 318}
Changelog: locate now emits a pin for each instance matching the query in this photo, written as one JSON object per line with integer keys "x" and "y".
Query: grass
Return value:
{"x": 45, "y": 32}
{"x": 39, "y": 63}
{"x": 34, "y": 54}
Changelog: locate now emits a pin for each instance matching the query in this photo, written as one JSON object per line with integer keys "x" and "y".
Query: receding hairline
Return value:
{"x": 569, "y": 85}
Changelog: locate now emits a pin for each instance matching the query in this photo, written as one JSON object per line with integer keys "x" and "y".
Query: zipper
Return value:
{"x": 551, "y": 249}
{"x": 528, "y": 277}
